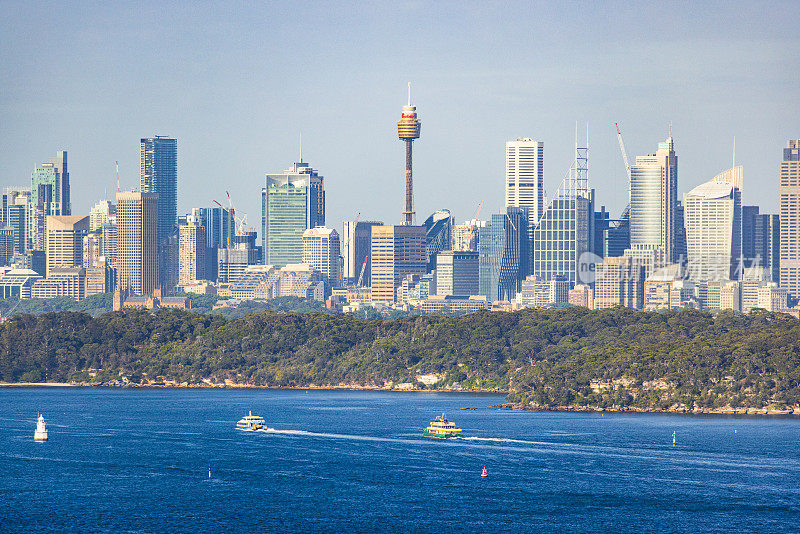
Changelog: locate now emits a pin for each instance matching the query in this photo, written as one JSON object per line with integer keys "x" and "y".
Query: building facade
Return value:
{"x": 321, "y": 252}
{"x": 192, "y": 252}
{"x": 64, "y": 241}
{"x": 291, "y": 203}
{"x": 790, "y": 218}
{"x": 654, "y": 199}
{"x": 50, "y": 195}
{"x": 712, "y": 214}
{"x": 438, "y": 235}
{"x": 396, "y": 251}
{"x": 503, "y": 254}
{"x": 356, "y": 239}
{"x": 525, "y": 178}
{"x": 457, "y": 273}
{"x": 619, "y": 282}
{"x": 159, "y": 174}
{"x": 137, "y": 241}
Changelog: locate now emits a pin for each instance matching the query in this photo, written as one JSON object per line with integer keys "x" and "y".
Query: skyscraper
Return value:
{"x": 565, "y": 230}
{"x": 654, "y": 199}
{"x": 321, "y": 252}
{"x": 159, "y": 174}
{"x": 712, "y": 236}
{"x": 408, "y": 128}
{"x": 49, "y": 196}
{"x": 291, "y": 203}
{"x": 356, "y": 242}
{"x": 64, "y": 241}
{"x": 503, "y": 254}
{"x": 191, "y": 254}
{"x": 525, "y": 177}
{"x": 790, "y": 218}
{"x": 137, "y": 241}
{"x": 16, "y": 214}
{"x": 396, "y": 252}
{"x": 438, "y": 235}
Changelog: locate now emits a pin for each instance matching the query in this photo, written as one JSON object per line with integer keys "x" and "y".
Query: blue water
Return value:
{"x": 137, "y": 461}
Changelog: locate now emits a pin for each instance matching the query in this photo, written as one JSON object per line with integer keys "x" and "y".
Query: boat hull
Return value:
{"x": 436, "y": 435}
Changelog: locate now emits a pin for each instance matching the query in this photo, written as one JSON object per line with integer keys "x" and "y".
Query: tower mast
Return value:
{"x": 408, "y": 128}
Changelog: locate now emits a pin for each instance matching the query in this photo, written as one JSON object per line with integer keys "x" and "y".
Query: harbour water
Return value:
{"x": 138, "y": 461}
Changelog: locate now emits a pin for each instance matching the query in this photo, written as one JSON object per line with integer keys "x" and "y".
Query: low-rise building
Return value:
{"x": 454, "y": 304}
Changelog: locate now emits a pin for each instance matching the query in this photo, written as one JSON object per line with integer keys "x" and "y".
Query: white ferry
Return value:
{"x": 250, "y": 422}
{"x": 41, "y": 430}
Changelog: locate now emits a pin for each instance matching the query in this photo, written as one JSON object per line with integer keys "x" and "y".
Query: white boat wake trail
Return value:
{"x": 305, "y": 433}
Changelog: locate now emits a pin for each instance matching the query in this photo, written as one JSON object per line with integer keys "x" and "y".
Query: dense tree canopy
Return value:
{"x": 570, "y": 356}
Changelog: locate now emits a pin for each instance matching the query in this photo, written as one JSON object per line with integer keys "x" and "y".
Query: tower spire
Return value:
{"x": 407, "y": 130}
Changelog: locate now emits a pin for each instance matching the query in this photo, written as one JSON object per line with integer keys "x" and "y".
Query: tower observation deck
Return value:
{"x": 407, "y": 130}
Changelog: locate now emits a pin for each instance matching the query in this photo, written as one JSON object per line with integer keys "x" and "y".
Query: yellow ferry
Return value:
{"x": 441, "y": 428}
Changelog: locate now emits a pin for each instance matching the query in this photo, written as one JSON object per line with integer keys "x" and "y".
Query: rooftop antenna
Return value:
{"x": 670, "y": 129}
{"x": 409, "y": 93}
{"x": 301, "y": 147}
{"x": 117, "y": 164}
{"x": 734, "y": 152}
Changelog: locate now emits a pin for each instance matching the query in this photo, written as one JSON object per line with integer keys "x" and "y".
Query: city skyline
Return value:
{"x": 711, "y": 86}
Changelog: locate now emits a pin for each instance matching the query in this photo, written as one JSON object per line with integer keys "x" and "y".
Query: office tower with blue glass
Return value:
{"x": 503, "y": 254}
{"x": 438, "y": 235}
{"x": 159, "y": 175}
{"x": 565, "y": 231}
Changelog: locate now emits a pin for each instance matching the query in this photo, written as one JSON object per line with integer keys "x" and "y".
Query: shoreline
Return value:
{"x": 344, "y": 387}
{"x": 724, "y": 410}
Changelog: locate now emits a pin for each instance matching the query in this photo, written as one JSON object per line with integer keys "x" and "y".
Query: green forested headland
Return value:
{"x": 570, "y": 357}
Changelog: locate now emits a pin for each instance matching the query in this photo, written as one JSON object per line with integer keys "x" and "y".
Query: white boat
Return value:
{"x": 250, "y": 422}
{"x": 41, "y": 430}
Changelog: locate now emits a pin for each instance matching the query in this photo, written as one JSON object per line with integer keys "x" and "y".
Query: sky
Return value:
{"x": 238, "y": 83}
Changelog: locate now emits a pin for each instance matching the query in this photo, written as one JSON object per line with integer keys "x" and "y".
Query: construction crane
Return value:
{"x": 475, "y": 225}
{"x": 363, "y": 270}
{"x": 624, "y": 154}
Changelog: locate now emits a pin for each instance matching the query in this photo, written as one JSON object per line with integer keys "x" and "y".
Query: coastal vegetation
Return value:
{"x": 570, "y": 358}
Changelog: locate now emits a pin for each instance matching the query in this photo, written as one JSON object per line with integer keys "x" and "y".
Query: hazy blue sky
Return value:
{"x": 236, "y": 83}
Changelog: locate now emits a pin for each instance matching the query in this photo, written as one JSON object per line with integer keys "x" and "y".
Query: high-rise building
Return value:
{"x": 64, "y": 241}
{"x": 654, "y": 199}
{"x": 525, "y": 177}
{"x": 356, "y": 242}
{"x": 109, "y": 243}
{"x": 6, "y": 245}
{"x": 750, "y": 218}
{"x": 790, "y": 218}
{"x": 712, "y": 214}
{"x": 438, "y": 235}
{"x": 291, "y": 203}
{"x": 159, "y": 174}
{"x": 767, "y": 244}
{"x": 396, "y": 252}
{"x": 137, "y": 241}
{"x": 457, "y": 273}
{"x": 321, "y": 251}
{"x": 16, "y": 214}
{"x": 103, "y": 212}
{"x": 191, "y": 254}
{"x": 502, "y": 254}
{"x": 408, "y": 128}
{"x": 565, "y": 231}
{"x": 49, "y": 196}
